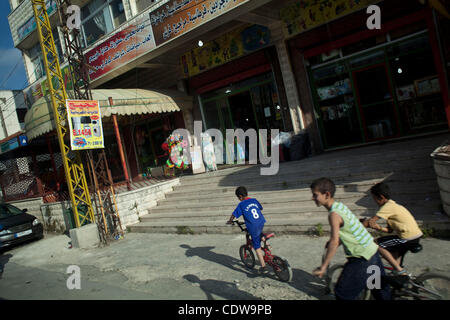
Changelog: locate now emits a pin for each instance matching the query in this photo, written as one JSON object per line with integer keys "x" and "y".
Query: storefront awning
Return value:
{"x": 39, "y": 119}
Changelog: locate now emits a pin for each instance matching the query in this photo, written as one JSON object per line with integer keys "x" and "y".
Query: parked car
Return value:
{"x": 17, "y": 226}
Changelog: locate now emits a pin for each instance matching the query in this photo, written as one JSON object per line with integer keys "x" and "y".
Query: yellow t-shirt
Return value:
{"x": 400, "y": 220}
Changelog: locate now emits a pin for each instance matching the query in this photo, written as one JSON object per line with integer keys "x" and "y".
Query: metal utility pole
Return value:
{"x": 73, "y": 166}
{"x": 109, "y": 224}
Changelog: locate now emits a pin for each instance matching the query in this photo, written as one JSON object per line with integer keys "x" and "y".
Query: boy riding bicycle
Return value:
{"x": 399, "y": 220}
{"x": 254, "y": 221}
{"x": 360, "y": 249}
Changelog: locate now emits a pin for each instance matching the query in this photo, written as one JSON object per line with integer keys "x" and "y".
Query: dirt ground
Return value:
{"x": 177, "y": 267}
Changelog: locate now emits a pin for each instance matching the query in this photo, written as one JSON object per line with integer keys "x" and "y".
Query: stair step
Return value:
{"x": 412, "y": 168}
{"x": 279, "y": 226}
{"x": 202, "y": 203}
{"x": 424, "y": 185}
{"x": 288, "y": 196}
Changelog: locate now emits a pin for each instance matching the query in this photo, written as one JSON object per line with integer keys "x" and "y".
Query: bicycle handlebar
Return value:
{"x": 240, "y": 224}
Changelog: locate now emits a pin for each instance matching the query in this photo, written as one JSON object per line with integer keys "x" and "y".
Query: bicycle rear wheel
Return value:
{"x": 247, "y": 256}
{"x": 282, "y": 269}
{"x": 332, "y": 278}
{"x": 433, "y": 286}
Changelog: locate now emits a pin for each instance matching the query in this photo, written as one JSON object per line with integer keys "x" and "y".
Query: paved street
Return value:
{"x": 167, "y": 266}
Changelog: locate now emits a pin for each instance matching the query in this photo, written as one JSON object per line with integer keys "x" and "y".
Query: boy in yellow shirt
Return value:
{"x": 399, "y": 220}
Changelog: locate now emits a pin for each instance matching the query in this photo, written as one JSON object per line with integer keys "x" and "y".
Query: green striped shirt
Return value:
{"x": 356, "y": 239}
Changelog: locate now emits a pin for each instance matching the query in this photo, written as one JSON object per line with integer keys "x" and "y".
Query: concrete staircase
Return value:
{"x": 202, "y": 203}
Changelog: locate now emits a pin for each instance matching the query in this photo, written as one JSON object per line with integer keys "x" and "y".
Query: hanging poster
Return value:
{"x": 85, "y": 124}
{"x": 306, "y": 14}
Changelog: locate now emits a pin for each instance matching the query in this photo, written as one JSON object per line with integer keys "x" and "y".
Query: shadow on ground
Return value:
{"x": 307, "y": 283}
{"x": 224, "y": 289}
{"x": 207, "y": 254}
{"x": 4, "y": 258}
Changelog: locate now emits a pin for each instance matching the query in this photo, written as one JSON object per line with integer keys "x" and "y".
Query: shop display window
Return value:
{"x": 417, "y": 86}
{"x": 382, "y": 93}
{"x": 148, "y": 140}
{"x": 336, "y": 105}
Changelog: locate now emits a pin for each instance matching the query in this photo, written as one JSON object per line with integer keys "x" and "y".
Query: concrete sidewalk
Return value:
{"x": 175, "y": 267}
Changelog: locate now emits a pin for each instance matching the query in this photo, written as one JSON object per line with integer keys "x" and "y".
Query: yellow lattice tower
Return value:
{"x": 73, "y": 167}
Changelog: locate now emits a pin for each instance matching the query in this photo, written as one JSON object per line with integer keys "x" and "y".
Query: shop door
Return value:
{"x": 376, "y": 103}
{"x": 243, "y": 115}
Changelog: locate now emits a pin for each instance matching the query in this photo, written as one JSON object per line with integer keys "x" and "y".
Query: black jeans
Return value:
{"x": 353, "y": 279}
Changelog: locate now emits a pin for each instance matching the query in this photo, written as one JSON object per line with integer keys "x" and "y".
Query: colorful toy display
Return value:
{"x": 177, "y": 158}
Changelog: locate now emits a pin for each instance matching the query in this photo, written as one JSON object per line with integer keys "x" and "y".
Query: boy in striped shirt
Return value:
{"x": 359, "y": 247}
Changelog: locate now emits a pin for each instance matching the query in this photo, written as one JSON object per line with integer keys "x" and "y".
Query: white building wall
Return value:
{"x": 9, "y": 101}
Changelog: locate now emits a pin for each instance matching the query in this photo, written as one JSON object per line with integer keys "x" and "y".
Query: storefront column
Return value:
{"x": 291, "y": 87}
{"x": 188, "y": 120}
{"x": 310, "y": 117}
{"x": 119, "y": 146}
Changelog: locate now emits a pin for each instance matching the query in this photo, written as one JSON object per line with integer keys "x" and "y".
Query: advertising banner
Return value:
{"x": 85, "y": 124}
{"x": 306, "y": 14}
{"x": 124, "y": 46}
{"x": 177, "y": 17}
{"x": 225, "y": 48}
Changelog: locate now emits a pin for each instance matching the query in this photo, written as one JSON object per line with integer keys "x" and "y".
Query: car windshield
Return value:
{"x": 7, "y": 211}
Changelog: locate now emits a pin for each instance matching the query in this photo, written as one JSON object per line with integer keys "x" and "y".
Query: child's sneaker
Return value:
{"x": 263, "y": 270}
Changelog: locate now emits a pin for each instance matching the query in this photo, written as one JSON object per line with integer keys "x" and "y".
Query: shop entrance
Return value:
{"x": 249, "y": 104}
{"x": 241, "y": 109}
{"x": 376, "y": 102}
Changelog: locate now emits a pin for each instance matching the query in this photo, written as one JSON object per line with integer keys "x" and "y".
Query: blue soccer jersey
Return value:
{"x": 251, "y": 210}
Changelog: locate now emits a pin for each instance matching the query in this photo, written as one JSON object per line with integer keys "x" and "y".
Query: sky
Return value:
{"x": 12, "y": 70}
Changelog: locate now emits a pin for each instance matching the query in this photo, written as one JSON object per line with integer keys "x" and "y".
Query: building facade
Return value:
{"x": 296, "y": 66}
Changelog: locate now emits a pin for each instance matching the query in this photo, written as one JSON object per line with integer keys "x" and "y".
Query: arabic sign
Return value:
{"x": 306, "y": 14}
{"x": 127, "y": 44}
{"x": 178, "y": 17}
{"x": 85, "y": 124}
{"x": 225, "y": 48}
{"x": 30, "y": 25}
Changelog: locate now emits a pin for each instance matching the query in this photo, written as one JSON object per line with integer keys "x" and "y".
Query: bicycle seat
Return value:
{"x": 414, "y": 248}
{"x": 268, "y": 235}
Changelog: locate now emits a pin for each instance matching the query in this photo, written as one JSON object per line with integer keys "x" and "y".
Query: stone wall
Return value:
{"x": 33, "y": 206}
{"x": 131, "y": 206}
{"x": 134, "y": 204}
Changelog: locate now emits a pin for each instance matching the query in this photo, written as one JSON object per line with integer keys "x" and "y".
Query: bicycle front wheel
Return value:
{"x": 282, "y": 269}
{"x": 247, "y": 256}
{"x": 432, "y": 286}
{"x": 332, "y": 278}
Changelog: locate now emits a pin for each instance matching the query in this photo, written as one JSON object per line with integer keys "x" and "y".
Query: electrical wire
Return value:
{"x": 10, "y": 74}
